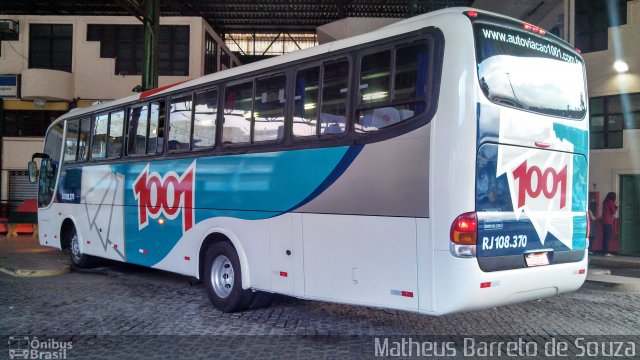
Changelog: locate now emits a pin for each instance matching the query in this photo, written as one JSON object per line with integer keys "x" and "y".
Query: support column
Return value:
{"x": 150, "y": 54}
{"x": 3, "y": 179}
{"x": 569, "y": 21}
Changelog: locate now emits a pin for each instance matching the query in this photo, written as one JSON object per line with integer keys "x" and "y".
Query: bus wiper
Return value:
{"x": 505, "y": 101}
{"x": 498, "y": 99}
{"x": 484, "y": 86}
{"x": 517, "y": 102}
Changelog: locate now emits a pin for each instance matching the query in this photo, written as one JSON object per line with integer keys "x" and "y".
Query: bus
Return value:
{"x": 436, "y": 165}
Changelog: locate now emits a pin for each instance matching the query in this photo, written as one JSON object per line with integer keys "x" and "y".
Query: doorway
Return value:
{"x": 629, "y": 214}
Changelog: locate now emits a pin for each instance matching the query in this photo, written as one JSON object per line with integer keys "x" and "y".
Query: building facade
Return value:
{"x": 56, "y": 63}
{"x": 613, "y": 75}
{"x": 608, "y": 34}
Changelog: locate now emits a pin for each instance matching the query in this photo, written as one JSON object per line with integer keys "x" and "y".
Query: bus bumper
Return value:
{"x": 460, "y": 284}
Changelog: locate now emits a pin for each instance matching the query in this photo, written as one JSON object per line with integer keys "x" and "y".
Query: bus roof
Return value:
{"x": 398, "y": 28}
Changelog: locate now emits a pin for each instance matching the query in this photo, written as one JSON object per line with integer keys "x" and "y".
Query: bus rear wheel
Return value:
{"x": 223, "y": 279}
{"x": 78, "y": 259}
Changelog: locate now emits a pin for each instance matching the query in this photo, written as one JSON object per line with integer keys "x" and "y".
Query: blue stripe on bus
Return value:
{"x": 578, "y": 137}
{"x": 340, "y": 168}
{"x": 249, "y": 187}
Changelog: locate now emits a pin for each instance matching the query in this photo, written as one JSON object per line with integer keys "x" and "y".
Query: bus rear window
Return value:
{"x": 526, "y": 71}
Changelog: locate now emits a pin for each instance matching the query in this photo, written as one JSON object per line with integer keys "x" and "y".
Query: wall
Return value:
{"x": 94, "y": 76}
{"x": 607, "y": 164}
{"x": 350, "y": 26}
{"x": 16, "y": 154}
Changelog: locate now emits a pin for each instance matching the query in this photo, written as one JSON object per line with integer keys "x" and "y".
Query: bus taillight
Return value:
{"x": 463, "y": 235}
{"x": 533, "y": 28}
{"x": 471, "y": 13}
{"x": 588, "y": 226}
{"x": 464, "y": 230}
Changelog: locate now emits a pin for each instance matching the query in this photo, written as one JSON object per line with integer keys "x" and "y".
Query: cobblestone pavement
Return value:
{"x": 125, "y": 302}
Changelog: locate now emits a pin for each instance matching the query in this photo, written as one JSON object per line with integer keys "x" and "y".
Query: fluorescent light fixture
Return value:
{"x": 379, "y": 95}
{"x": 620, "y": 66}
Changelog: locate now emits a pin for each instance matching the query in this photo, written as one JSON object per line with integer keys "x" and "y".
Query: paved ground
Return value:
{"x": 131, "y": 300}
{"x": 23, "y": 256}
{"x": 121, "y": 309}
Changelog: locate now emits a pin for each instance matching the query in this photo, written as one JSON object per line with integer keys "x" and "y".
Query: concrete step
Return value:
{"x": 598, "y": 271}
{"x": 617, "y": 261}
{"x": 613, "y": 281}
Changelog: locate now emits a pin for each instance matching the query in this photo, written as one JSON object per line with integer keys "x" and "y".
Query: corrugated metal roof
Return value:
{"x": 229, "y": 16}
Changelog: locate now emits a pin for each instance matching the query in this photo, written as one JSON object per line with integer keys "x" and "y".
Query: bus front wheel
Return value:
{"x": 223, "y": 279}
{"x": 78, "y": 259}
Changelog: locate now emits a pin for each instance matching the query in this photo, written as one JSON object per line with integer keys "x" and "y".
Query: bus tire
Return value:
{"x": 78, "y": 259}
{"x": 223, "y": 279}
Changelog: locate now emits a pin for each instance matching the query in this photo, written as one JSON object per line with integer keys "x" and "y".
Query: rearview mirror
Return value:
{"x": 33, "y": 171}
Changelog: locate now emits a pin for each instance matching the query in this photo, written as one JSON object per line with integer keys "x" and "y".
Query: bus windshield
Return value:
{"x": 525, "y": 71}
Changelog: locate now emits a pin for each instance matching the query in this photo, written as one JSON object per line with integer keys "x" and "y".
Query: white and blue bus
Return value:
{"x": 435, "y": 165}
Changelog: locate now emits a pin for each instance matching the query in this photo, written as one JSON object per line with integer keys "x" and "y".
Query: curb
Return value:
{"x": 35, "y": 273}
{"x": 601, "y": 262}
{"x": 613, "y": 285}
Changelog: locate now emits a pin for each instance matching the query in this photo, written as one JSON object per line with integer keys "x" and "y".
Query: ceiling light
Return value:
{"x": 621, "y": 66}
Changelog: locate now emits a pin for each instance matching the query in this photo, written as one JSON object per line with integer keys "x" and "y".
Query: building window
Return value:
{"x": 210, "y": 55}
{"x": 50, "y": 46}
{"x": 7, "y": 37}
{"x": 28, "y": 122}
{"x": 594, "y": 18}
{"x": 173, "y": 51}
{"x": 125, "y": 44}
{"x": 225, "y": 60}
{"x": 609, "y": 116}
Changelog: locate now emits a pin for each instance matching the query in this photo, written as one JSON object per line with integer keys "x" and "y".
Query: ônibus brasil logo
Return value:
{"x": 540, "y": 185}
{"x": 168, "y": 196}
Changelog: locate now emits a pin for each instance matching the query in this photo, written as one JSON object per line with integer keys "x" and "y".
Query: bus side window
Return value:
{"x": 204, "y": 119}
{"x": 83, "y": 140}
{"x": 238, "y": 113}
{"x": 411, "y": 75}
{"x": 180, "y": 123}
{"x": 375, "y": 77}
{"x": 99, "y": 137}
{"x": 305, "y": 117}
{"x": 137, "y": 130}
{"x": 71, "y": 141}
{"x": 116, "y": 130}
{"x": 155, "y": 141}
{"x": 382, "y": 106}
{"x": 335, "y": 89}
{"x": 269, "y": 101}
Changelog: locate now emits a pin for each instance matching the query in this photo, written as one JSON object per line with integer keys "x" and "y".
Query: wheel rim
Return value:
{"x": 222, "y": 276}
{"x": 75, "y": 249}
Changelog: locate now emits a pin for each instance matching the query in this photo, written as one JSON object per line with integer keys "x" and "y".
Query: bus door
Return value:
{"x": 47, "y": 179}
